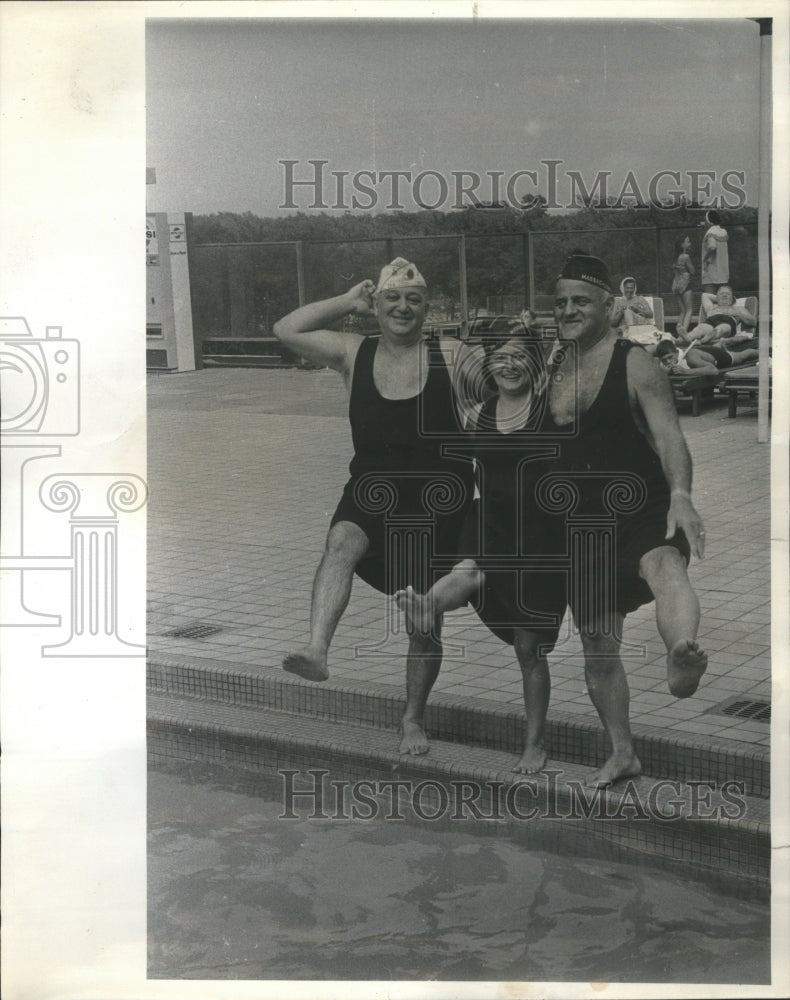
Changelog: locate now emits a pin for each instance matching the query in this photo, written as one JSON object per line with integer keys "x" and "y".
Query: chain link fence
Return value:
{"x": 240, "y": 290}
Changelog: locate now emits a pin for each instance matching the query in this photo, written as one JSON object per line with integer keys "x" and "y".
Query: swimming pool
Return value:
{"x": 236, "y": 893}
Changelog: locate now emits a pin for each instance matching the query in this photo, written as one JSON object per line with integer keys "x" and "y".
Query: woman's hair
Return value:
{"x": 503, "y": 330}
{"x": 679, "y": 245}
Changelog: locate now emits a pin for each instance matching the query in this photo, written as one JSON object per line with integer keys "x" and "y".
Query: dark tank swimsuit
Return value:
{"x": 524, "y": 582}
{"x": 620, "y": 480}
{"x": 407, "y": 496}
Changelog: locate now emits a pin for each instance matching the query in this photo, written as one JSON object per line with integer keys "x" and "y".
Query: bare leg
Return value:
{"x": 448, "y": 593}
{"x": 608, "y": 688}
{"x": 702, "y": 332}
{"x": 423, "y": 661}
{"x": 537, "y": 691}
{"x": 346, "y": 543}
{"x": 677, "y": 618}
{"x": 739, "y": 357}
{"x": 687, "y": 308}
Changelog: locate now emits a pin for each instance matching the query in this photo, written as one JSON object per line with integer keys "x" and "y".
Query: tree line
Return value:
{"x": 258, "y": 284}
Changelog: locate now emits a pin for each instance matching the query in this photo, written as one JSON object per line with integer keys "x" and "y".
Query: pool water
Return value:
{"x": 236, "y": 893}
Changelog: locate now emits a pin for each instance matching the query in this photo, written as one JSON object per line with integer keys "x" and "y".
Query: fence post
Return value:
{"x": 658, "y": 262}
{"x": 764, "y": 235}
{"x": 300, "y": 273}
{"x": 530, "y": 270}
{"x": 462, "y": 281}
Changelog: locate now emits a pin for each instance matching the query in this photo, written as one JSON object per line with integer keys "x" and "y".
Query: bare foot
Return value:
{"x": 417, "y": 609}
{"x": 533, "y": 759}
{"x": 414, "y": 740}
{"x": 307, "y": 664}
{"x": 622, "y": 764}
{"x": 686, "y": 663}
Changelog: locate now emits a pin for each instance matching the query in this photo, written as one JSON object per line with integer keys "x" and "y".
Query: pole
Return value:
{"x": 462, "y": 282}
{"x": 531, "y": 271}
{"x": 764, "y": 232}
{"x": 300, "y": 274}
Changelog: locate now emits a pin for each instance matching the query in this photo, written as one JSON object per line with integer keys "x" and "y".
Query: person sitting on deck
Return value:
{"x": 630, "y": 317}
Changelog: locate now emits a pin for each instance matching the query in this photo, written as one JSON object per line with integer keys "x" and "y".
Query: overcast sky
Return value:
{"x": 228, "y": 99}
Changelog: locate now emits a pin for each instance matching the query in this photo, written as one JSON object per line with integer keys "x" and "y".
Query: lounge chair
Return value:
{"x": 699, "y": 387}
{"x": 742, "y": 383}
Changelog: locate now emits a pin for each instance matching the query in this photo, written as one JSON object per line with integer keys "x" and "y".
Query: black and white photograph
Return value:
{"x": 408, "y": 616}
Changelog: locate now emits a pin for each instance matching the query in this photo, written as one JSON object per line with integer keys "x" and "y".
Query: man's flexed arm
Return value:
{"x": 304, "y": 330}
{"x": 651, "y": 392}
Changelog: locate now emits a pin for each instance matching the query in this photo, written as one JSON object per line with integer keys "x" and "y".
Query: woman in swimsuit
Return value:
{"x": 521, "y": 604}
{"x": 683, "y": 270}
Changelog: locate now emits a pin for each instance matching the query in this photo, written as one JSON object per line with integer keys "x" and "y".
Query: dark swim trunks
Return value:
{"x": 721, "y": 358}
{"x": 407, "y": 495}
{"x": 717, "y": 319}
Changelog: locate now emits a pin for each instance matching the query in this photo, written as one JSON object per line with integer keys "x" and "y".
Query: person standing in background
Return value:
{"x": 684, "y": 270}
{"x": 715, "y": 255}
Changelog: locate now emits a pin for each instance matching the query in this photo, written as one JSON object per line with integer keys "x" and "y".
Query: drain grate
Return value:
{"x": 197, "y": 630}
{"x": 742, "y": 708}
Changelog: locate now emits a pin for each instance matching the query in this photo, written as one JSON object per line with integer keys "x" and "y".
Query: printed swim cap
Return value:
{"x": 582, "y": 267}
{"x": 400, "y": 273}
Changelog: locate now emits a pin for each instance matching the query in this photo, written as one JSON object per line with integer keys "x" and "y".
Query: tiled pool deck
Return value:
{"x": 245, "y": 467}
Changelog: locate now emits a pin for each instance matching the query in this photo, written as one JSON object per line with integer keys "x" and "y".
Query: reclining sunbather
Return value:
{"x": 724, "y": 322}
{"x": 700, "y": 359}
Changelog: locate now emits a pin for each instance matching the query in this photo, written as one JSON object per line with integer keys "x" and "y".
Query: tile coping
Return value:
{"x": 464, "y": 719}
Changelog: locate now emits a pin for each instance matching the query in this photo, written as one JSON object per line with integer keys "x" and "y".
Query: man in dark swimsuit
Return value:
{"x": 402, "y": 407}
{"x": 627, "y": 461}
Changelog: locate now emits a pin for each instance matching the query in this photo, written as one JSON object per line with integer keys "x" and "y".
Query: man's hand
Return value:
{"x": 682, "y": 515}
{"x": 360, "y": 298}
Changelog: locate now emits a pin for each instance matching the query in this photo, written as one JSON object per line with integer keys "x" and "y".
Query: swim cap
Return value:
{"x": 400, "y": 273}
{"x": 582, "y": 267}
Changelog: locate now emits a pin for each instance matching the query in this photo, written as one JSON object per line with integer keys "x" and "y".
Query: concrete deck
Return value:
{"x": 245, "y": 469}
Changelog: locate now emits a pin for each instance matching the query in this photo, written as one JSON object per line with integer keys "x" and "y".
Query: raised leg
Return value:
{"x": 537, "y": 691}
{"x": 677, "y": 618}
{"x": 346, "y": 543}
{"x": 608, "y": 689}
{"x": 451, "y": 591}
